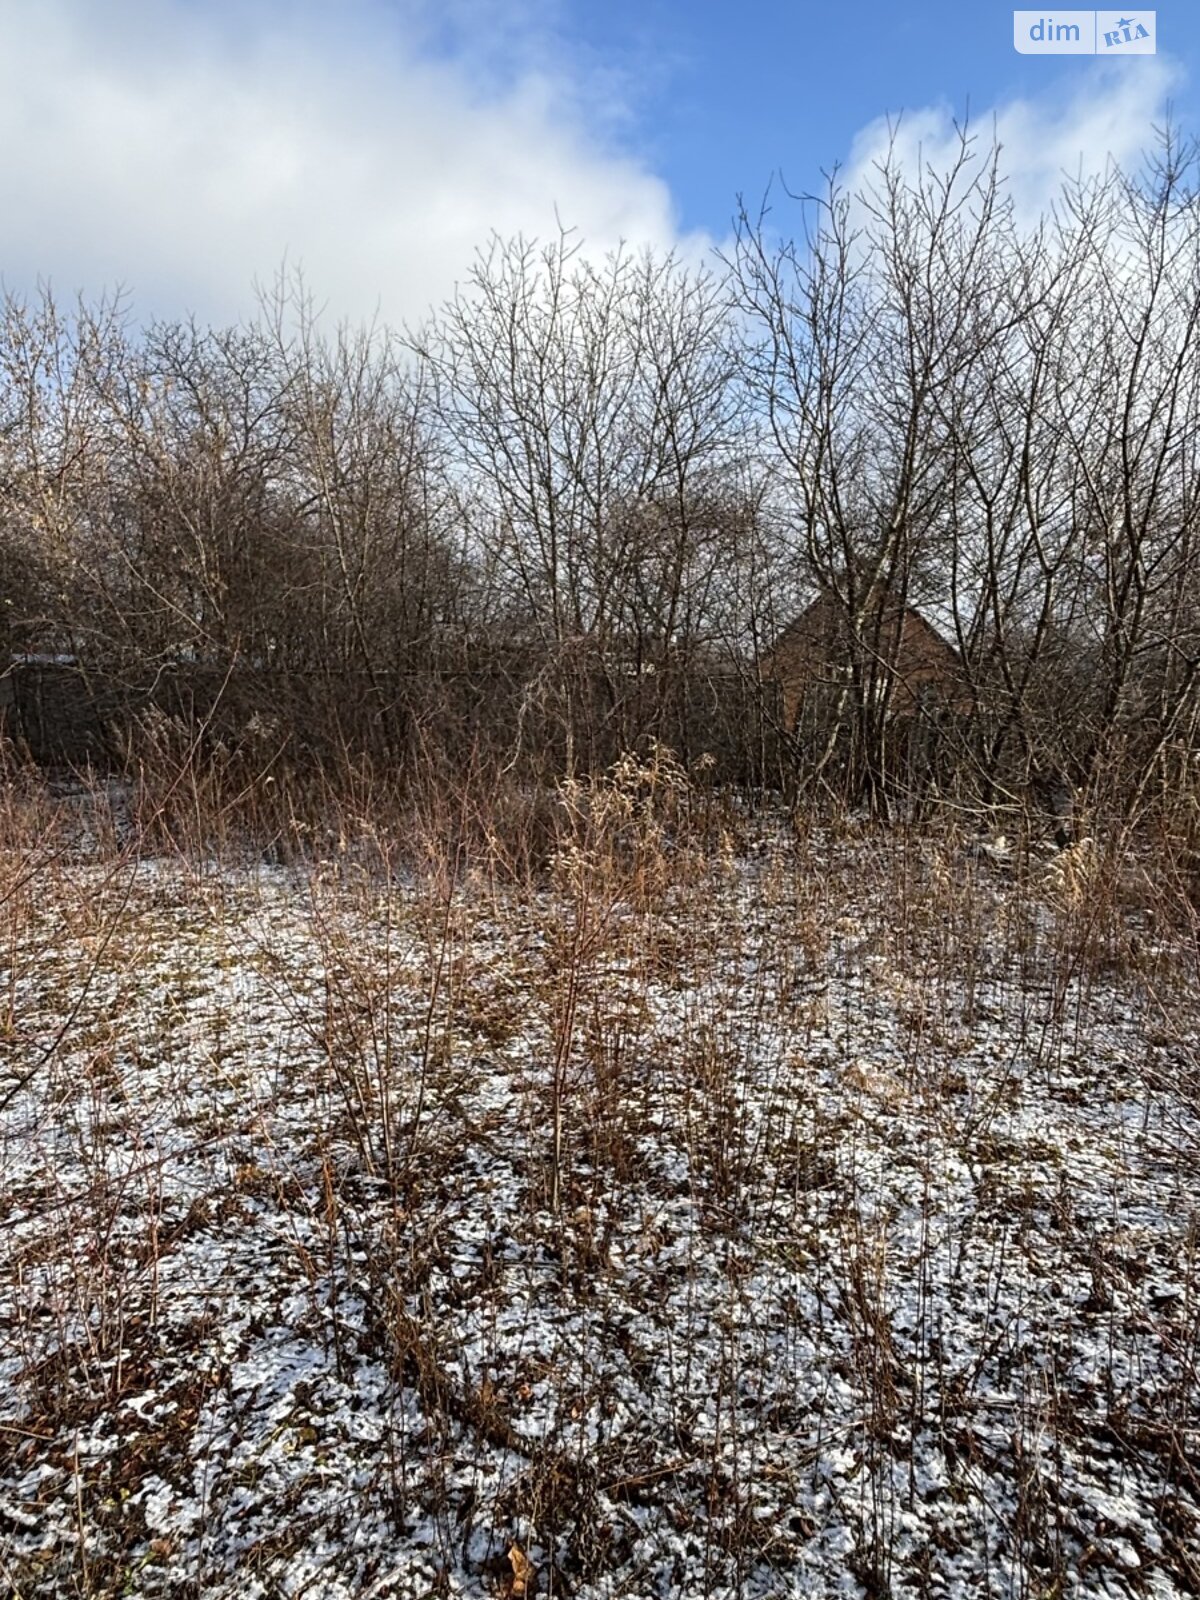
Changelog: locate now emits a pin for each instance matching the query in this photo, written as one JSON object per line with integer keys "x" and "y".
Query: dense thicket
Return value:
{"x": 577, "y": 505}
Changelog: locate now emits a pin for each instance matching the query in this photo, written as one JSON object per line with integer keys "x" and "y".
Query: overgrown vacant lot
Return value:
{"x": 758, "y": 1216}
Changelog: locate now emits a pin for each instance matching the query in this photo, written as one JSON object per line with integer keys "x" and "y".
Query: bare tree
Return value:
{"x": 998, "y": 422}
{"x": 594, "y": 409}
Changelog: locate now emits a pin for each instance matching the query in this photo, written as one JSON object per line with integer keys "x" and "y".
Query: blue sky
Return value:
{"x": 730, "y": 91}
{"x": 184, "y": 149}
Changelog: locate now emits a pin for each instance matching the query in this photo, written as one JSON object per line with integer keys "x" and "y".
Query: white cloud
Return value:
{"x": 1111, "y": 116}
{"x": 185, "y": 154}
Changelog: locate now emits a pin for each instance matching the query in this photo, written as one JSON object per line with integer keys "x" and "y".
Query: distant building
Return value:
{"x": 901, "y": 654}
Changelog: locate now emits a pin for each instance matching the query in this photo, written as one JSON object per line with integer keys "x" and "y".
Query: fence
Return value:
{"x": 547, "y": 716}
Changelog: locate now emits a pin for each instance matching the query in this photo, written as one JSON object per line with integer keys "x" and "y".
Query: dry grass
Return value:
{"x": 608, "y": 1192}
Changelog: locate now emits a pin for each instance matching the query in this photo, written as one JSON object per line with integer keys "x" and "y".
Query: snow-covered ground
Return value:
{"x": 873, "y": 1270}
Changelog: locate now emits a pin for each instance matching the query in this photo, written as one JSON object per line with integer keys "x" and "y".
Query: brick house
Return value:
{"x": 813, "y": 660}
